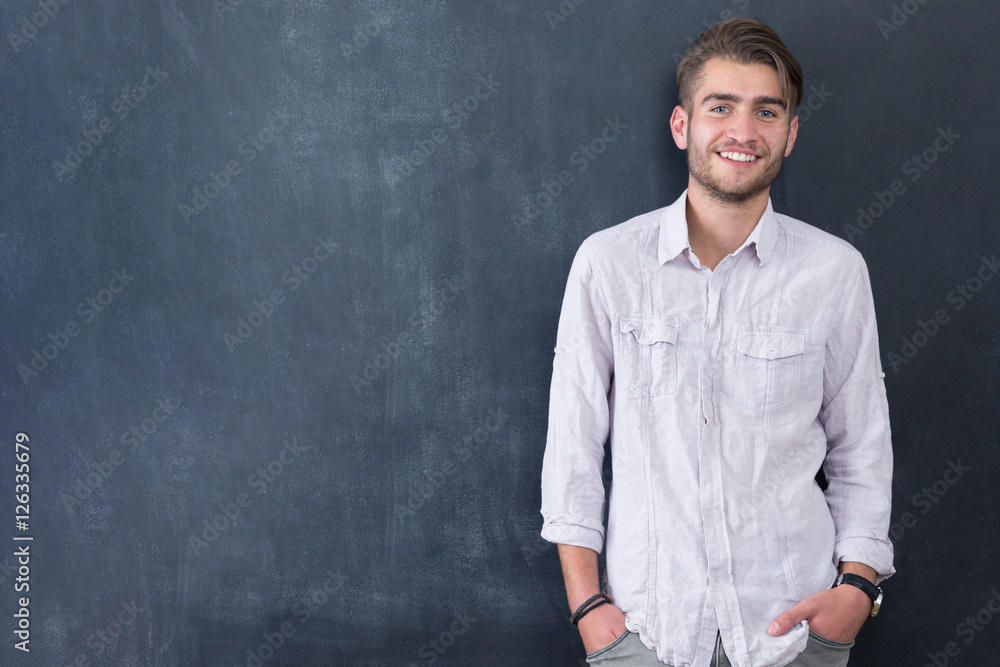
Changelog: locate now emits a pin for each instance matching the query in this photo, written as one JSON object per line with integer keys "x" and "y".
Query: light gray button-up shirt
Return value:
{"x": 723, "y": 393}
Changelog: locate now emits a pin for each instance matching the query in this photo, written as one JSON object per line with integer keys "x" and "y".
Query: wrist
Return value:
{"x": 860, "y": 587}
{"x": 855, "y": 594}
{"x": 578, "y": 598}
{"x": 588, "y": 605}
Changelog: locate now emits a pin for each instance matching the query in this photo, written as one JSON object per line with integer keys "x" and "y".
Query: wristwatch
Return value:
{"x": 873, "y": 591}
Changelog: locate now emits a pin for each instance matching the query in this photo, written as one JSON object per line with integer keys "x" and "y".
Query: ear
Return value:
{"x": 678, "y": 127}
{"x": 793, "y": 132}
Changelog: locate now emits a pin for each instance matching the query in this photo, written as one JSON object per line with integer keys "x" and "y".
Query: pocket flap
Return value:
{"x": 648, "y": 332}
{"x": 770, "y": 344}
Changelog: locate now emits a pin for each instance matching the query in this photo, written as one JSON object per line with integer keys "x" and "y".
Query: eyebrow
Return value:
{"x": 736, "y": 99}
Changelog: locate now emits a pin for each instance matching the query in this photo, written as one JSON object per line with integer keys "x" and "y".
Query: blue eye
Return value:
{"x": 718, "y": 108}
{"x": 770, "y": 113}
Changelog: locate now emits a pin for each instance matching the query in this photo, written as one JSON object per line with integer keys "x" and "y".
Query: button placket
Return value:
{"x": 710, "y": 476}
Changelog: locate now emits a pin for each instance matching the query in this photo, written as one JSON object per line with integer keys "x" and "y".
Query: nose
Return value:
{"x": 741, "y": 128}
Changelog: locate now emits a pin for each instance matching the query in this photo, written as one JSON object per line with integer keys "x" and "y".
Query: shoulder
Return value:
{"x": 818, "y": 247}
{"x": 623, "y": 235}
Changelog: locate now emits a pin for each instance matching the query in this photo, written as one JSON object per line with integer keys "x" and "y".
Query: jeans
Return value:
{"x": 629, "y": 651}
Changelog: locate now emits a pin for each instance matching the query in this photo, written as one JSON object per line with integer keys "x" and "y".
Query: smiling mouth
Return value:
{"x": 738, "y": 157}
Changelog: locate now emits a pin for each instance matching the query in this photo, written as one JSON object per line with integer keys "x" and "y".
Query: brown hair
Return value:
{"x": 746, "y": 42}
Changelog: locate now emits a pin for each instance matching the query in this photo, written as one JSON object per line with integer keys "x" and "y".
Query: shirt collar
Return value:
{"x": 674, "y": 232}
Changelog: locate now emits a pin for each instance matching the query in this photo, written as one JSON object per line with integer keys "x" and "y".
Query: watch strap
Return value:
{"x": 870, "y": 589}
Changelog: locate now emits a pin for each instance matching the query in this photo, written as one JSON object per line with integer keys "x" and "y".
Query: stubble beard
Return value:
{"x": 699, "y": 165}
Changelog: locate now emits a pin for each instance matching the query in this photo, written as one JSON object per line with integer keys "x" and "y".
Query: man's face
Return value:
{"x": 737, "y": 132}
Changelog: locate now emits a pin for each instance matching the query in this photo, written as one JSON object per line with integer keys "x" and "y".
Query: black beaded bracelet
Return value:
{"x": 583, "y": 608}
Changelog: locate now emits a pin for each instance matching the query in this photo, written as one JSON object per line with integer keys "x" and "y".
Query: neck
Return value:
{"x": 717, "y": 228}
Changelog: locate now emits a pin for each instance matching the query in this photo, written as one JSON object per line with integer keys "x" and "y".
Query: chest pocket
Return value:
{"x": 768, "y": 368}
{"x": 647, "y": 362}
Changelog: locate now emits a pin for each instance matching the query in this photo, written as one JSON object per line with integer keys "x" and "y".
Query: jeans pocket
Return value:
{"x": 647, "y": 360}
{"x": 603, "y": 652}
{"x": 829, "y": 643}
{"x": 768, "y": 368}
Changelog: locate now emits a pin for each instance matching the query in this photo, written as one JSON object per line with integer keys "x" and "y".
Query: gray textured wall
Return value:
{"x": 280, "y": 283}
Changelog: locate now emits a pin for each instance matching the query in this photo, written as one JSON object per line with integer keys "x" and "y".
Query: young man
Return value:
{"x": 730, "y": 352}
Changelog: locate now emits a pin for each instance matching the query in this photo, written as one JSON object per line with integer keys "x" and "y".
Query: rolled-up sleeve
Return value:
{"x": 572, "y": 487}
{"x": 855, "y": 416}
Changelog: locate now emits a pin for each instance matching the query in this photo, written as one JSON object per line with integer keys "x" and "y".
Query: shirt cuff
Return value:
{"x": 563, "y": 531}
{"x": 876, "y": 553}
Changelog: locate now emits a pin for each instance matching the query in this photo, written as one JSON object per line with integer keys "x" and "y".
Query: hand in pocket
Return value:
{"x": 601, "y": 627}
{"x": 836, "y": 614}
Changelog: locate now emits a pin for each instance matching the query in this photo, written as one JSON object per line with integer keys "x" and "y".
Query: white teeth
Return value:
{"x": 739, "y": 157}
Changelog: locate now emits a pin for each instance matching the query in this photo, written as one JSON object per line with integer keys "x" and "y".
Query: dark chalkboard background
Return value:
{"x": 310, "y": 407}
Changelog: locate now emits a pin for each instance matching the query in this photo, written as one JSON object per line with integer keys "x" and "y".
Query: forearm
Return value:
{"x": 580, "y": 572}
